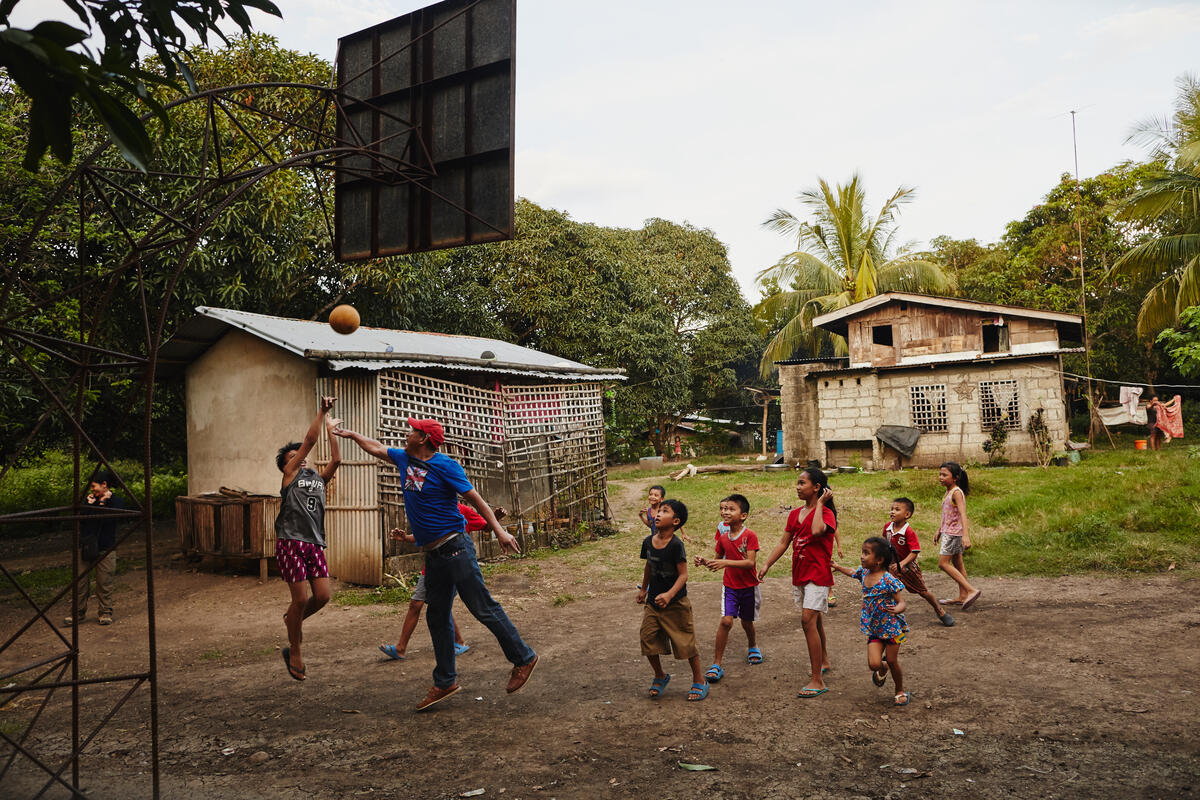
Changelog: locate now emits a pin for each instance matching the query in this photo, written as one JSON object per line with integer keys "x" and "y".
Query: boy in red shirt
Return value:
{"x": 809, "y": 531}
{"x": 903, "y": 539}
{"x": 737, "y": 554}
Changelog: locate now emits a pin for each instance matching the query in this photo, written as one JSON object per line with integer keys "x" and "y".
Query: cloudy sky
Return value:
{"x": 716, "y": 113}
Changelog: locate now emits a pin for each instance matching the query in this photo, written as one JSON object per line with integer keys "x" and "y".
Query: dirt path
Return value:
{"x": 1073, "y": 688}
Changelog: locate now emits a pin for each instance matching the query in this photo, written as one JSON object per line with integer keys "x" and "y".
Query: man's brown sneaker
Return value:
{"x": 436, "y": 695}
{"x": 520, "y": 675}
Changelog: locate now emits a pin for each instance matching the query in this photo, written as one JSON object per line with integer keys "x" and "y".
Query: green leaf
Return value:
{"x": 60, "y": 33}
{"x": 126, "y": 130}
{"x": 696, "y": 767}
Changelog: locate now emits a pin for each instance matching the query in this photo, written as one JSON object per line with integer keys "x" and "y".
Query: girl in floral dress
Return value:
{"x": 882, "y": 617}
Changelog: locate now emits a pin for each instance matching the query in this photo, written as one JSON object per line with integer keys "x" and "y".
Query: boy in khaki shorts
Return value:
{"x": 667, "y": 624}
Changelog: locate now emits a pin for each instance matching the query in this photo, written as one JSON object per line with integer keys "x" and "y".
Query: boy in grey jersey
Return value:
{"x": 300, "y": 531}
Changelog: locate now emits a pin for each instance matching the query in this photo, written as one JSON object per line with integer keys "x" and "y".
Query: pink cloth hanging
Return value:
{"x": 1170, "y": 418}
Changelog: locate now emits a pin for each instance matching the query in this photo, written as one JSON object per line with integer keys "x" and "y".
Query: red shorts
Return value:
{"x": 300, "y": 561}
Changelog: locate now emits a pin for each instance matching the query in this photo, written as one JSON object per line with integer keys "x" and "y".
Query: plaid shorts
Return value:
{"x": 300, "y": 561}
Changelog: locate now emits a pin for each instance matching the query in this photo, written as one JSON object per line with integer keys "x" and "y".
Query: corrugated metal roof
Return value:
{"x": 377, "y": 364}
{"x": 954, "y": 359}
{"x": 370, "y": 348}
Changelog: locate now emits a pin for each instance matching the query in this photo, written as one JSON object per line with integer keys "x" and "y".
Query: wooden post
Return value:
{"x": 766, "y": 398}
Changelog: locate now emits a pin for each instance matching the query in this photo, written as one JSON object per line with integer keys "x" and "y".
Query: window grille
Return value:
{"x": 999, "y": 403}
{"x": 928, "y": 407}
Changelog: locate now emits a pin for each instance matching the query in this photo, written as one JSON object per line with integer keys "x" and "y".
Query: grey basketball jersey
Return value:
{"x": 302, "y": 511}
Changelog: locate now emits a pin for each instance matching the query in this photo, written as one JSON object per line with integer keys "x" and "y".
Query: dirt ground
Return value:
{"x": 1078, "y": 687}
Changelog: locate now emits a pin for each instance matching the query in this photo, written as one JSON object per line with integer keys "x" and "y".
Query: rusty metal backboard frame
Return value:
{"x": 439, "y": 115}
{"x": 157, "y": 224}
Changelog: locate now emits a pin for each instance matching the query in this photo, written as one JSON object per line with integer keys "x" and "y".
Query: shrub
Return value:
{"x": 48, "y": 484}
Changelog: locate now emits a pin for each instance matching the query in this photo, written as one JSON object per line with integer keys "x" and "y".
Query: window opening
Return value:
{"x": 999, "y": 403}
{"x": 995, "y": 338}
{"x": 928, "y": 407}
{"x": 882, "y": 335}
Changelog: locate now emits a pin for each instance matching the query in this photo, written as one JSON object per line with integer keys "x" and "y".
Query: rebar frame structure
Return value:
{"x": 161, "y": 231}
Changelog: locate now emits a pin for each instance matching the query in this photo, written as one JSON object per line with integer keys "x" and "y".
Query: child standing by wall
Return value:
{"x": 667, "y": 624}
{"x": 810, "y": 530}
{"x": 882, "y": 614}
{"x": 903, "y": 540}
{"x": 737, "y": 552}
{"x": 954, "y": 534}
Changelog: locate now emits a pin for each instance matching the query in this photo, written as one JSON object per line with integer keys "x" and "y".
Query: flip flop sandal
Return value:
{"x": 391, "y": 652}
{"x": 806, "y": 693}
{"x": 658, "y": 685}
{"x": 970, "y": 601}
{"x": 877, "y": 679}
{"x": 297, "y": 674}
{"x": 700, "y": 689}
{"x": 947, "y": 620}
{"x": 897, "y": 701}
{"x": 459, "y": 649}
{"x": 951, "y": 602}
{"x": 754, "y": 656}
{"x": 714, "y": 673}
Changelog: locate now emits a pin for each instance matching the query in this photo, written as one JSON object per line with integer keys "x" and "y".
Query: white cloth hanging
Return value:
{"x": 1129, "y": 398}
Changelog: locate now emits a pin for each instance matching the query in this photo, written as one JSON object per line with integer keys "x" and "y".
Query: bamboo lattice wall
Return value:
{"x": 539, "y": 450}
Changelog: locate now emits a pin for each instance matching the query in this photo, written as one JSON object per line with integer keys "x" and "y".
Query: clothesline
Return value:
{"x": 1119, "y": 383}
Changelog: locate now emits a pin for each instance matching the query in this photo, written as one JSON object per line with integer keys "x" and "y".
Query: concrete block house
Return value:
{"x": 946, "y": 370}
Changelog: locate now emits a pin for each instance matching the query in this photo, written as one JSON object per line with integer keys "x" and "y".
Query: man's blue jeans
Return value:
{"x": 455, "y": 567}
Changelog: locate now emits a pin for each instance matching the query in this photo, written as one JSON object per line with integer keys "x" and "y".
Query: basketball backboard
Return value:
{"x": 431, "y": 92}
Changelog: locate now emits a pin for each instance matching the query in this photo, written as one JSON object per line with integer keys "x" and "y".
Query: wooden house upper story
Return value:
{"x": 899, "y": 328}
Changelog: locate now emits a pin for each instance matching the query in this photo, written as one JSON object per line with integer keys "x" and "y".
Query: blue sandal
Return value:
{"x": 657, "y": 685}
{"x": 715, "y": 673}
{"x": 754, "y": 656}
{"x": 390, "y": 651}
{"x": 459, "y": 649}
{"x": 700, "y": 689}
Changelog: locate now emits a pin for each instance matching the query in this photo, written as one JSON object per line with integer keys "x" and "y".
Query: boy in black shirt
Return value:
{"x": 667, "y": 621}
{"x": 98, "y": 540}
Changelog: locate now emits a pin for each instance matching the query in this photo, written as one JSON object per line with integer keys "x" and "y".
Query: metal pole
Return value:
{"x": 1087, "y": 343}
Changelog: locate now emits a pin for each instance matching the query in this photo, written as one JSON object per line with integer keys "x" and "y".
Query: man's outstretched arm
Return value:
{"x": 373, "y": 447}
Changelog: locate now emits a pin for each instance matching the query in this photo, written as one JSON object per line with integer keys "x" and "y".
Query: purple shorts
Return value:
{"x": 300, "y": 561}
{"x": 741, "y": 603}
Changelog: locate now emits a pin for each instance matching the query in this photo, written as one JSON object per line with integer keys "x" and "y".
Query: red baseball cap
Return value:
{"x": 431, "y": 428}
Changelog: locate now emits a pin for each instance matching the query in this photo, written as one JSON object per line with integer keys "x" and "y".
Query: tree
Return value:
{"x": 1183, "y": 343}
{"x": 1169, "y": 200}
{"x": 659, "y": 302}
{"x": 112, "y": 83}
{"x": 842, "y": 256}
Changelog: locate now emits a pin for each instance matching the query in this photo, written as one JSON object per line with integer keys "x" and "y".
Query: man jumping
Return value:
{"x": 432, "y": 483}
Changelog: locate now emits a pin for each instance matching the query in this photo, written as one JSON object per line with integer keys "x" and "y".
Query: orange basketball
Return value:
{"x": 344, "y": 319}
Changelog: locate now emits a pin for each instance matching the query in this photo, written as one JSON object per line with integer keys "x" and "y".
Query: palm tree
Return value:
{"x": 1170, "y": 201}
{"x": 842, "y": 256}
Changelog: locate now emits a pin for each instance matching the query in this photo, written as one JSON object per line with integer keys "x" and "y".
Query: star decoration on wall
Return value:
{"x": 965, "y": 390}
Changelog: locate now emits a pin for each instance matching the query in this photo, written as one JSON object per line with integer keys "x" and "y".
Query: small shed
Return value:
{"x": 947, "y": 369}
{"x": 527, "y": 426}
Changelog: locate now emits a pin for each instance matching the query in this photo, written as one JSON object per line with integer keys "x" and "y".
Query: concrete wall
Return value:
{"x": 245, "y": 398}
{"x": 847, "y": 407}
{"x": 798, "y": 409}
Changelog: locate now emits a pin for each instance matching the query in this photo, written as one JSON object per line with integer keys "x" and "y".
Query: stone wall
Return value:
{"x": 850, "y": 405}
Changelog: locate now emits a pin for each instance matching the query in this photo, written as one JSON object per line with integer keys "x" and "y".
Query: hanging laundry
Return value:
{"x": 1130, "y": 396}
{"x": 1170, "y": 418}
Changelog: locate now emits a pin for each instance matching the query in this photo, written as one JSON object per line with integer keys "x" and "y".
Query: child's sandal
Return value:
{"x": 878, "y": 679}
{"x": 657, "y": 685}
{"x": 902, "y": 699}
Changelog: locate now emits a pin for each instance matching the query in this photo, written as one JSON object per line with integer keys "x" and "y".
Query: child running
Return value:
{"x": 737, "y": 552}
{"x": 903, "y": 540}
{"x": 810, "y": 530}
{"x": 882, "y": 614}
{"x": 667, "y": 623}
{"x": 417, "y": 602}
{"x": 954, "y": 534}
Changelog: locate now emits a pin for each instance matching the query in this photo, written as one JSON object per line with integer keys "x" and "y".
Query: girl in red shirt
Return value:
{"x": 810, "y": 532}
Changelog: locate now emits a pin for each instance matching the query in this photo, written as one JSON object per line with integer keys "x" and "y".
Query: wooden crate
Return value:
{"x": 228, "y": 527}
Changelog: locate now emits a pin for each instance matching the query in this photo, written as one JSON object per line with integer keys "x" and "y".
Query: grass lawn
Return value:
{"x": 1116, "y": 511}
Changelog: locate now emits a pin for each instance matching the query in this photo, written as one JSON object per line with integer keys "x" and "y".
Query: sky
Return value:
{"x": 717, "y": 113}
